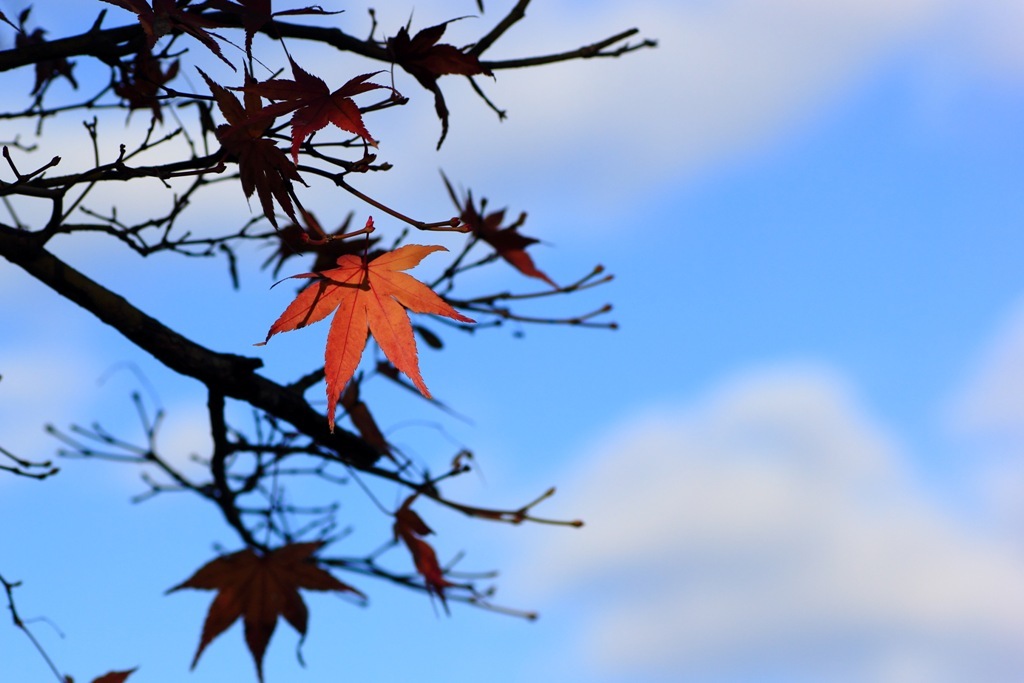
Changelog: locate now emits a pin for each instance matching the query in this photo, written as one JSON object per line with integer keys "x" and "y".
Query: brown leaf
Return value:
{"x": 263, "y": 167}
{"x": 427, "y": 61}
{"x": 507, "y": 241}
{"x": 255, "y": 14}
{"x": 363, "y": 420}
{"x": 115, "y": 677}
{"x": 141, "y": 81}
{"x": 294, "y": 242}
{"x": 369, "y": 296}
{"x": 409, "y": 527}
{"x": 46, "y": 69}
{"x": 259, "y": 589}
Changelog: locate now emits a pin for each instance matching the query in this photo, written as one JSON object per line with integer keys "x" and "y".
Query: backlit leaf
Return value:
{"x": 366, "y": 297}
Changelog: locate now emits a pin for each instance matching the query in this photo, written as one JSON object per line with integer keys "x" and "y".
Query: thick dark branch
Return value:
{"x": 234, "y": 376}
{"x": 319, "y": 34}
{"x": 107, "y": 45}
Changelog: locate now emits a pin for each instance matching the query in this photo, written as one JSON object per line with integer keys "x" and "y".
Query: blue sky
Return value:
{"x": 799, "y": 459}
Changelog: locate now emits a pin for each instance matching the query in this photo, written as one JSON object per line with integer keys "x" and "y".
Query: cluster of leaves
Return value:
{"x": 284, "y": 544}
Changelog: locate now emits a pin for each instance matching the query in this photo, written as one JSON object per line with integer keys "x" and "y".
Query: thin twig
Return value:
{"x": 9, "y": 587}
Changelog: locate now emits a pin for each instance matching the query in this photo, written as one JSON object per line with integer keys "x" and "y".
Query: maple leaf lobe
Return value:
{"x": 263, "y": 167}
{"x": 507, "y": 241}
{"x": 166, "y": 16}
{"x": 259, "y": 589}
{"x": 314, "y": 105}
{"x": 426, "y": 60}
{"x": 114, "y": 677}
{"x": 409, "y": 527}
{"x": 367, "y": 297}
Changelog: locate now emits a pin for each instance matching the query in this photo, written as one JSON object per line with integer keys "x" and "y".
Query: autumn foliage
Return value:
{"x": 366, "y": 296}
{"x": 260, "y": 588}
{"x": 226, "y": 99}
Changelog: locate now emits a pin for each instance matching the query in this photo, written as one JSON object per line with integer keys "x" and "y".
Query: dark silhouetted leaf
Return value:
{"x": 141, "y": 81}
{"x": 507, "y": 241}
{"x": 46, "y": 69}
{"x": 315, "y": 105}
{"x": 259, "y": 589}
{"x": 409, "y": 527}
{"x": 294, "y": 242}
{"x": 166, "y": 16}
{"x": 255, "y": 14}
{"x": 115, "y": 677}
{"x": 427, "y": 61}
{"x": 263, "y": 167}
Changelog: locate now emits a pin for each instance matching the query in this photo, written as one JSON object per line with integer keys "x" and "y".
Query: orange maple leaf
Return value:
{"x": 369, "y": 296}
{"x": 259, "y": 589}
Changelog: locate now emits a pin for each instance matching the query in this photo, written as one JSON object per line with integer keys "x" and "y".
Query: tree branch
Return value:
{"x": 586, "y": 52}
{"x": 515, "y": 14}
{"x": 230, "y": 374}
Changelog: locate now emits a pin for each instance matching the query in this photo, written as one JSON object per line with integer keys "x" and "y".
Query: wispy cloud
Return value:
{"x": 726, "y": 81}
{"x": 770, "y": 529}
{"x": 990, "y": 399}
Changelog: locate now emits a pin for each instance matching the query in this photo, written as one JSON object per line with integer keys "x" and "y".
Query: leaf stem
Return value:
{"x": 453, "y": 224}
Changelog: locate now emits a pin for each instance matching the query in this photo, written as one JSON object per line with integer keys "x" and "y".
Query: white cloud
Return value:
{"x": 991, "y": 398}
{"x": 727, "y": 78}
{"x": 991, "y": 33}
{"x": 985, "y": 416}
{"x": 771, "y": 529}
{"x": 40, "y": 384}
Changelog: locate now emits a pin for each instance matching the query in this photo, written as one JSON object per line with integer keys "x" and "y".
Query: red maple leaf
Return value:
{"x": 369, "y": 296}
{"x": 166, "y": 16}
{"x": 314, "y": 104}
{"x": 409, "y": 527}
{"x": 259, "y": 589}
{"x": 262, "y": 166}
{"x": 507, "y": 241}
{"x": 426, "y": 60}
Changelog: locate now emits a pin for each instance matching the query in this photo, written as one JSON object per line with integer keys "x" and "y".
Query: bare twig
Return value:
{"x": 9, "y": 587}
